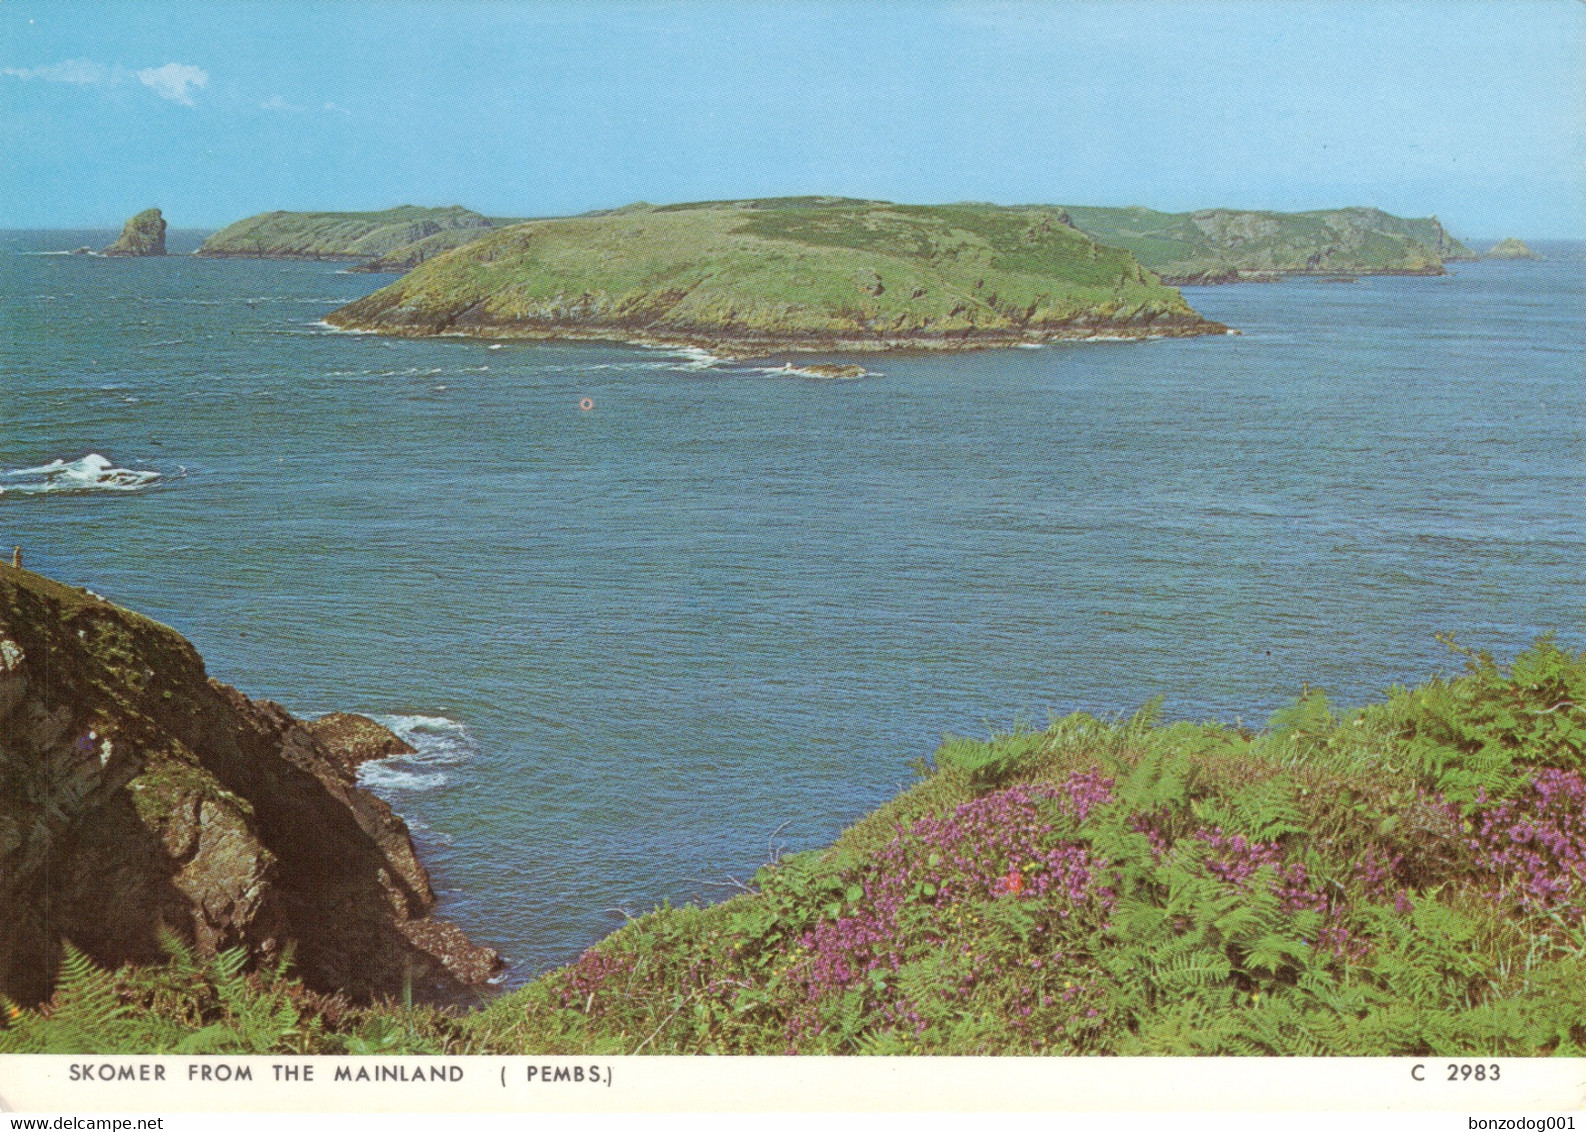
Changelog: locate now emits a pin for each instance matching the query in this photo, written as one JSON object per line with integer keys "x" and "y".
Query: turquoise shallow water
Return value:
{"x": 724, "y": 608}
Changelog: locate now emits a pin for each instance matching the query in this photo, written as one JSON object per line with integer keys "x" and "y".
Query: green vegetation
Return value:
{"x": 194, "y": 1006}
{"x": 408, "y": 256}
{"x": 1212, "y": 245}
{"x": 794, "y": 273}
{"x": 1408, "y": 879}
{"x": 1222, "y": 245}
{"x": 340, "y": 235}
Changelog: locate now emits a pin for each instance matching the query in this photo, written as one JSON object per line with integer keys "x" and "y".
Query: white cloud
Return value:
{"x": 175, "y": 81}
{"x": 84, "y": 72}
{"x": 276, "y": 102}
{"x": 331, "y": 106}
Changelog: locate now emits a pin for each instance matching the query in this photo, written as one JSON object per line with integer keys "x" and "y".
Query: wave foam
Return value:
{"x": 698, "y": 359}
{"x": 438, "y": 743}
{"x": 321, "y": 324}
{"x": 819, "y": 373}
{"x": 91, "y": 473}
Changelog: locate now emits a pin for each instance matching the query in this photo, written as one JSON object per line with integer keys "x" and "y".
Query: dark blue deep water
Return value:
{"x": 635, "y": 643}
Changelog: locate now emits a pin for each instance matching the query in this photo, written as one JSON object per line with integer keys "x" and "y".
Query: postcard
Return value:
{"x": 805, "y": 557}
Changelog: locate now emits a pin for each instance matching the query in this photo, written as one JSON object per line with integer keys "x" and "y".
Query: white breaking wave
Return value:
{"x": 92, "y": 473}
{"x": 697, "y": 359}
{"x": 321, "y": 324}
{"x": 439, "y": 744}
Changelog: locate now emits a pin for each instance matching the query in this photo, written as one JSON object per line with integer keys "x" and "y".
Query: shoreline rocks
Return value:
{"x": 353, "y": 740}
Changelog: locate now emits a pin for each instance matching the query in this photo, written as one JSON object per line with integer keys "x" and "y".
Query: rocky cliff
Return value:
{"x": 138, "y": 796}
{"x": 144, "y": 234}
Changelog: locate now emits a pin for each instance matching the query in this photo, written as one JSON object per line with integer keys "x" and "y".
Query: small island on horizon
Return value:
{"x": 1510, "y": 248}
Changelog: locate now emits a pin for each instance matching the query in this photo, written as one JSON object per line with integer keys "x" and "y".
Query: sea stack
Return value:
{"x": 144, "y": 234}
{"x": 1511, "y": 248}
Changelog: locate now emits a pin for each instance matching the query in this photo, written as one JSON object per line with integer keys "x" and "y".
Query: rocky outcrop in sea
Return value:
{"x": 1511, "y": 248}
{"x": 143, "y": 235}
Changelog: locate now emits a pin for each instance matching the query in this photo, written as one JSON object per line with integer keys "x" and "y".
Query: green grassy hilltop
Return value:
{"x": 1224, "y": 245}
{"x": 793, "y": 273}
{"x": 1404, "y": 879}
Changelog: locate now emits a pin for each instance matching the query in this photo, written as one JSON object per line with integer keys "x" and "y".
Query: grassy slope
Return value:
{"x": 337, "y": 235}
{"x": 801, "y": 271}
{"x": 1353, "y": 240}
{"x": 1404, "y": 879}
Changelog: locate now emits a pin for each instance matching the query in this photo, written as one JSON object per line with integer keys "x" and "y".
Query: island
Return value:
{"x": 362, "y": 237}
{"x": 147, "y": 809}
{"x": 1511, "y": 248}
{"x": 1215, "y": 245}
{"x": 1221, "y": 245}
{"x": 751, "y": 277}
{"x": 143, "y": 235}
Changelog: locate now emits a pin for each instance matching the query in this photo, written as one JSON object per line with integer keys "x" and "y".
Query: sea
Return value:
{"x": 652, "y": 618}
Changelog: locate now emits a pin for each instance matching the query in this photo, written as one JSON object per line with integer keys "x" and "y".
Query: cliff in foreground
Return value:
{"x": 143, "y": 235}
{"x": 141, "y": 801}
{"x": 800, "y": 273}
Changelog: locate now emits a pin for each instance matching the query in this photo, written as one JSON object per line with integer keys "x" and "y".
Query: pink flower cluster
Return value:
{"x": 1372, "y": 873}
{"x": 997, "y": 846}
{"x": 1535, "y": 843}
{"x": 1151, "y": 825}
{"x": 1235, "y": 859}
{"x": 590, "y": 975}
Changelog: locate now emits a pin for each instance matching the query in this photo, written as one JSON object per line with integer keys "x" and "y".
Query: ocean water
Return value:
{"x": 641, "y": 646}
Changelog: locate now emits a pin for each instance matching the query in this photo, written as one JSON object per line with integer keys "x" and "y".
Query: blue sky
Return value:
{"x": 1473, "y": 111}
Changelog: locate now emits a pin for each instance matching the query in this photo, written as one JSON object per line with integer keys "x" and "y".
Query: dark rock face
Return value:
{"x": 138, "y": 795}
{"x": 144, "y": 234}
